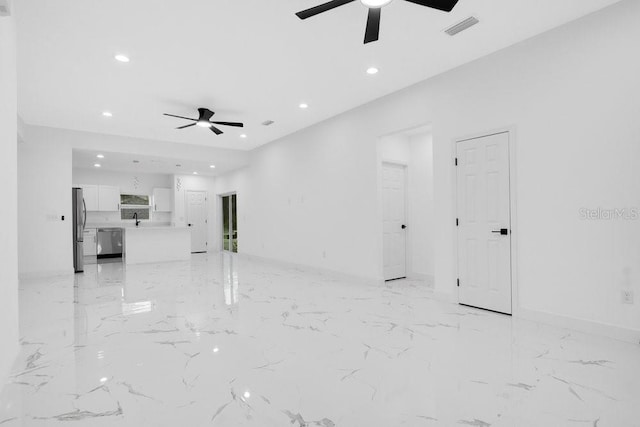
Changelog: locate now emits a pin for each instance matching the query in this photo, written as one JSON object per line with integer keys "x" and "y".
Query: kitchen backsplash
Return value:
{"x": 114, "y": 217}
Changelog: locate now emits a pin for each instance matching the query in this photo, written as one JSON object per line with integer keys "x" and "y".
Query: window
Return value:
{"x": 134, "y": 199}
{"x": 132, "y": 204}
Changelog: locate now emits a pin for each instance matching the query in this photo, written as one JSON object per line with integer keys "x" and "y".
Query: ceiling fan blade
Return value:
{"x": 445, "y": 5}
{"x": 237, "y": 125}
{"x": 216, "y": 130}
{"x": 308, "y": 13}
{"x": 186, "y": 126}
{"x": 205, "y": 114}
{"x": 373, "y": 26}
{"x": 181, "y": 117}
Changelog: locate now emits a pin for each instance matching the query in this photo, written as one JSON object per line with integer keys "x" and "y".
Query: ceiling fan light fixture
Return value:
{"x": 204, "y": 124}
{"x": 375, "y": 3}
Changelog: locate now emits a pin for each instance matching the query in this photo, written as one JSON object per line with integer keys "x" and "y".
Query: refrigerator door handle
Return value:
{"x": 84, "y": 213}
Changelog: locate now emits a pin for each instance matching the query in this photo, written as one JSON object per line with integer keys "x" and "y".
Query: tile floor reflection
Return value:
{"x": 230, "y": 341}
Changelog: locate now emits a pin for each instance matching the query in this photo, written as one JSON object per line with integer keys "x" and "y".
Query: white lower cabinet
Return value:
{"x": 90, "y": 242}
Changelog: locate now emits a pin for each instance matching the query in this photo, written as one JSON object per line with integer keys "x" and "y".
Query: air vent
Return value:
{"x": 267, "y": 123}
{"x": 461, "y": 26}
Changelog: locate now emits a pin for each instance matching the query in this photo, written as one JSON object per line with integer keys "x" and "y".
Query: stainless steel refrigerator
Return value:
{"x": 79, "y": 221}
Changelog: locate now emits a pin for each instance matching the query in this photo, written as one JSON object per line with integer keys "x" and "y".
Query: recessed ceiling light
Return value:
{"x": 100, "y": 156}
{"x": 107, "y": 114}
{"x": 122, "y": 58}
{"x": 247, "y": 394}
{"x": 97, "y": 165}
{"x": 372, "y": 70}
{"x": 195, "y": 173}
{"x": 304, "y": 106}
{"x": 243, "y": 136}
{"x": 375, "y": 3}
{"x": 212, "y": 166}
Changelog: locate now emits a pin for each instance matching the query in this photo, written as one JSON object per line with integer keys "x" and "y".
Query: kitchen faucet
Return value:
{"x": 135, "y": 216}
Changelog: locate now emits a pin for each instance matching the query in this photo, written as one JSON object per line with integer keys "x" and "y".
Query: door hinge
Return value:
{"x": 456, "y": 161}
{"x": 457, "y": 222}
{"x": 458, "y": 282}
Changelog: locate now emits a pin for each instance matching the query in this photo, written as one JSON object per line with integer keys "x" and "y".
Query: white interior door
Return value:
{"x": 394, "y": 221}
{"x": 484, "y": 225}
{"x": 197, "y": 220}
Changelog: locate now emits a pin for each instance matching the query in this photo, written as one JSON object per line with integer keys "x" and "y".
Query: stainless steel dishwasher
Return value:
{"x": 109, "y": 243}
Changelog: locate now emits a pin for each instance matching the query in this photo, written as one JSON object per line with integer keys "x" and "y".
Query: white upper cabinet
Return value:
{"x": 90, "y": 194}
{"x": 101, "y": 198}
{"x": 108, "y": 198}
{"x": 162, "y": 200}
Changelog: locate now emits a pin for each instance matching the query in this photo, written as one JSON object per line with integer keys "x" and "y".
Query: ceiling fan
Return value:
{"x": 373, "y": 21}
{"x": 204, "y": 120}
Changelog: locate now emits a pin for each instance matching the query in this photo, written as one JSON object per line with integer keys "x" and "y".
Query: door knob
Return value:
{"x": 404, "y": 226}
{"x": 502, "y": 231}
{"x": 189, "y": 225}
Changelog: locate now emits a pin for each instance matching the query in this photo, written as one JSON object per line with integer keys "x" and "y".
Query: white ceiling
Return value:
{"x": 135, "y": 163}
{"x": 248, "y": 60}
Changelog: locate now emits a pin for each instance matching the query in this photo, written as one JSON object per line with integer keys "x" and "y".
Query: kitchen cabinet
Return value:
{"x": 108, "y": 198}
{"x": 162, "y": 200}
{"x": 90, "y": 241}
{"x": 90, "y": 194}
{"x": 101, "y": 198}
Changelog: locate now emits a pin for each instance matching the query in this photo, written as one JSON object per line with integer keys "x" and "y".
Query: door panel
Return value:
{"x": 483, "y": 205}
{"x": 197, "y": 220}
{"x": 394, "y": 235}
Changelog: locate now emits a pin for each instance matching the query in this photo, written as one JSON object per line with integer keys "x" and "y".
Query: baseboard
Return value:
{"x": 317, "y": 270}
{"x": 581, "y": 325}
{"x": 7, "y": 358}
{"x": 565, "y": 322}
{"x": 427, "y": 278}
{"x": 44, "y": 274}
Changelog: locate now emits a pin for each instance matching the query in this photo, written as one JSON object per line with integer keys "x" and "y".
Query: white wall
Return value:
{"x": 128, "y": 183}
{"x": 421, "y": 205}
{"x": 571, "y": 96}
{"x": 414, "y": 149}
{"x": 8, "y": 208}
{"x": 181, "y": 185}
{"x": 44, "y": 197}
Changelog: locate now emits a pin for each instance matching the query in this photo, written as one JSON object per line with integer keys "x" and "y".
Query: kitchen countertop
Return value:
{"x": 130, "y": 225}
{"x": 156, "y": 227}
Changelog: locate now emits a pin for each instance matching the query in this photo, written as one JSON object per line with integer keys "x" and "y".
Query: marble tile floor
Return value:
{"x": 225, "y": 340}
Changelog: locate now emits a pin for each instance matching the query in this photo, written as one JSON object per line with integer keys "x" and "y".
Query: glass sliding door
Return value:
{"x": 234, "y": 225}
{"x": 229, "y": 223}
{"x": 225, "y": 223}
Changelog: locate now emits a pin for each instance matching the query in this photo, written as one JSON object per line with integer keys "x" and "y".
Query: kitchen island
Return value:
{"x": 156, "y": 244}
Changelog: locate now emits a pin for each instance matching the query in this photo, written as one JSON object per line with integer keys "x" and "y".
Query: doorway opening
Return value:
{"x": 197, "y": 220}
{"x": 405, "y": 161}
{"x": 229, "y": 223}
